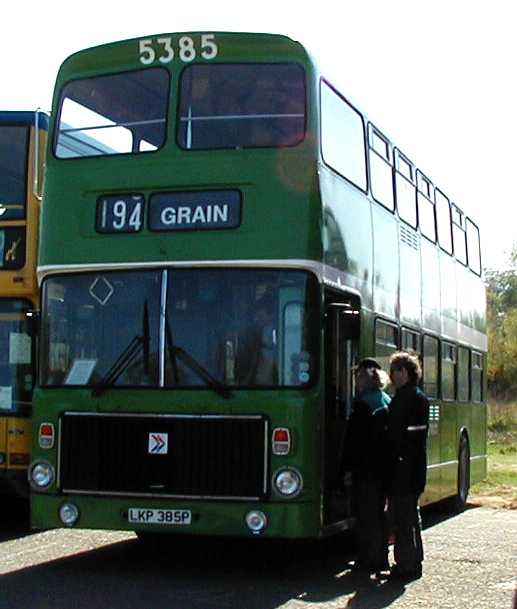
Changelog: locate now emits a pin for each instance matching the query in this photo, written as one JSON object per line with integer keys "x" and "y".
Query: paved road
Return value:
{"x": 471, "y": 563}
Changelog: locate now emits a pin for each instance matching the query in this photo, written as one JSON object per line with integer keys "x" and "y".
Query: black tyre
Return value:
{"x": 460, "y": 500}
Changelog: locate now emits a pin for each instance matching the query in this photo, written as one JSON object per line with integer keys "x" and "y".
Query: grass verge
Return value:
{"x": 500, "y": 487}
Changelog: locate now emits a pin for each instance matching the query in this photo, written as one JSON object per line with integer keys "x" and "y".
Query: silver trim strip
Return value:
{"x": 454, "y": 462}
{"x": 444, "y": 464}
{"x": 35, "y": 177}
{"x": 155, "y": 496}
{"x": 225, "y": 117}
{"x": 288, "y": 263}
{"x": 162, "y": 416}
{"x": 163, "y": 313}
{"x": 266, "y": 453}
{"x": 58, "y": 468}
{"x": 478, "y": 457}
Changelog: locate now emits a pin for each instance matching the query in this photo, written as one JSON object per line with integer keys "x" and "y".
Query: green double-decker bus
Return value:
{"x": 223, "y": 236}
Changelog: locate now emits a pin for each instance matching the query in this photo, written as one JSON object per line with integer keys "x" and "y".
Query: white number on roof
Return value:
{"x": 163, "y": 49}
{"x": 209, "y": 47}
{"x": 167, "y": 47}
{"x": 147, "y": 53}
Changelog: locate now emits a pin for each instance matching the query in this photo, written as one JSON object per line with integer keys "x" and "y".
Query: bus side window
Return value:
{"x": 463, "y": 374}
{"x": 448, "y": 371}
{"x": 410, "y": 341}
{"x": 473, "y": 247}
{"x": 430, "y": 357}
{"x": 381, "y": 170}
{"x": 405, "y": 188}
{"x": 386, "y": 342}
{"x": 426, "y": 207}
{"x": 342, "y": 137}
{"x": 476, "y": 377}
{"x": 443, "y": 217}
{"x": 295, "y": 366}
{"x": 458, "y": 234}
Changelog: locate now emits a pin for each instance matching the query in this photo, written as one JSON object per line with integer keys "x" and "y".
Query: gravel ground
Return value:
{"x": 471, "y": 563}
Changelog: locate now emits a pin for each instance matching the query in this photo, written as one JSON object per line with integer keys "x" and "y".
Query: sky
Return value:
{"x": 437, "y": 77}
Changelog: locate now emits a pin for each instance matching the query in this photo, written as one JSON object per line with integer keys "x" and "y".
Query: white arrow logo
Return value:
{"x": 158, "y": 443}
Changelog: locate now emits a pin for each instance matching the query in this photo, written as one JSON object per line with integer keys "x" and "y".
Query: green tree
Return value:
{"x": 502, "y": 329}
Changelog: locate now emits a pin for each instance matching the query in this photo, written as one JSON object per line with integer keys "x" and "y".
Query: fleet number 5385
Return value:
{"x": 164, "y": 49}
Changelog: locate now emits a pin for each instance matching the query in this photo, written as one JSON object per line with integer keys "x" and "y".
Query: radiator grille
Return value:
{"x": 219, "y": 456}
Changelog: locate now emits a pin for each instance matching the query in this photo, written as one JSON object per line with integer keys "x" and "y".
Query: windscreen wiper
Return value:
{"x": 220, "y": 388}
{"x": 124, "y": 360}
{"x": 128, "y": 357}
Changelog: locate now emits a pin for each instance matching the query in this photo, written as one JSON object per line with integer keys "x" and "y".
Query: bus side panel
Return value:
{"x": 3, "y": 444}
{"x": 19, "y": 442}
{"x": 348, "y": 233}
{"x": 430, "y": 282}
{"x": 410, "y": 276}
{"x": 449, "y": 447}
{"x": 478, "y": 443}
{"x": 433, "y": 489}
{"x": 386, "y": 263}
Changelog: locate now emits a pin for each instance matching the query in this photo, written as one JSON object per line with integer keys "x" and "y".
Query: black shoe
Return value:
{"x": 407, "y": 575}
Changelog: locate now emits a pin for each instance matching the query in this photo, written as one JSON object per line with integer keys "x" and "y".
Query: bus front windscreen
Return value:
{"x": 241, "y": 106}
{"x": 16, "y": 361}
{"x": 13, "y": 170}
{"x": 231, "y": 328}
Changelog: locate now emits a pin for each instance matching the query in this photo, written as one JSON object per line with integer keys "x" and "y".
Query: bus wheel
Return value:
{"x": 460, "y": 500}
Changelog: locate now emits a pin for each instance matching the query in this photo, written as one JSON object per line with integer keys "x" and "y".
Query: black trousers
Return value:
{"x": 405, "y": 518}
{"x": 371, "y": 529}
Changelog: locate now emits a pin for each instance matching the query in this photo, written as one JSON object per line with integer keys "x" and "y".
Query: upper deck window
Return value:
{"x": 342, "y": 137}
{"x": 443, "y": 220}
{"x": 13, "y": 175}
{"x": 405, "y": 188}
{"x": 426, "y": 206}
{"x": 458, "y": 234}
{"x": 241, "y": 106}
{"x": 473, "y": 247}
{"x": 381, "y": 171}
{"x": 115, "y": 114}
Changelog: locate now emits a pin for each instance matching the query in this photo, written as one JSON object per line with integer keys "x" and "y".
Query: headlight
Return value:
{"x": 41, "y": 475}
{"x": 69, "y": 513}
{"x": 256, "y": 521}
{"x": 288, "y": 482}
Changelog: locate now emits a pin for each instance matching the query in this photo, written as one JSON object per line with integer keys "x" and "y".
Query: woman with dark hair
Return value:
{"x": 408, "y": 423}
{"x": 364, "y": 456}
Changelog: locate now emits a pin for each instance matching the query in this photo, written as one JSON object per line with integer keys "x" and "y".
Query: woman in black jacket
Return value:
{"x": 365, "y": 456}
{"x": 408, "y": 423}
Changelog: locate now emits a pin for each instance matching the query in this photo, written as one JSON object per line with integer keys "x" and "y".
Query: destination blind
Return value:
{"x": 180, "y": 211}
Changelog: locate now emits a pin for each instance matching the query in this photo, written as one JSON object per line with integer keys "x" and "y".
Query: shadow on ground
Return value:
{"x": 194, "y": 573}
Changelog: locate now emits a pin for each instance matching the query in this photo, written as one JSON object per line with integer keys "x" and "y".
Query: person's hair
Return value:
{"x": 409, "y": 362}
{"x": 377, "y": 378}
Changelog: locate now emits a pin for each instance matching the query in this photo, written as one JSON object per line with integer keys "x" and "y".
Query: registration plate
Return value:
{"x": 153, "y": 516}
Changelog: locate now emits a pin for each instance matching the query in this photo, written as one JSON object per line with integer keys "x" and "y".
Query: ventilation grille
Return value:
{"x": 409, "y": 237}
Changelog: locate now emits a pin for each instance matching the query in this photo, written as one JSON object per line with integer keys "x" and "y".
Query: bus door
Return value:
{"x": 341, "y": 342}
